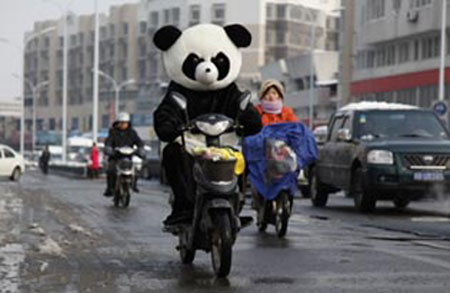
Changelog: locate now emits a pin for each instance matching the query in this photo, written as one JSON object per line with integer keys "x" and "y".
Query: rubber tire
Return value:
{"x": 364, "y": 201}
{"x": 16, "y": 174}
{"x": 319, "y": 196}
{"x": 305, "y": 190}
{"x": 224, "y": 233}
{"x": 282, "y": 230}
{"x": 126, "y": 196}
{"x": 262, "y": 223}
{"x": 187, "y": 255}
{"x": 401, "y": 203}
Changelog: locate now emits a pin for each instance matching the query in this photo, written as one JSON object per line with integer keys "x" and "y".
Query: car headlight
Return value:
{"x": 212, "y": 129}
{"x": 380, "y": 157}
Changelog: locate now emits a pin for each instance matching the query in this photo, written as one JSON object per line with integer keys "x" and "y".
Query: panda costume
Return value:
{"x": 203, "y": 63}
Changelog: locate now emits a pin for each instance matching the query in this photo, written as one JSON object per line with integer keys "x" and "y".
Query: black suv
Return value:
{"x": 379, "y": 151}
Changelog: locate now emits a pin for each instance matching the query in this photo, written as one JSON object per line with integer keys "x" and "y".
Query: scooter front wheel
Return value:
{"x": 282, "y": 215}
{"x": 187, "y": 255}
{"x": 221, "y": 246}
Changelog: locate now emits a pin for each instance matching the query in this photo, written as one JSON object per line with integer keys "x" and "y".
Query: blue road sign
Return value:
{"x": 440, "y": 108}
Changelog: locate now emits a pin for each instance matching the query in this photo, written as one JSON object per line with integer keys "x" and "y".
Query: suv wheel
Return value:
{"x": 364, "y": 200}
{"x": 319, "y": 196}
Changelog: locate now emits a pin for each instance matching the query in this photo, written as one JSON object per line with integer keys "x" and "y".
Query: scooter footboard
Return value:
{"x": 218, "y": 205}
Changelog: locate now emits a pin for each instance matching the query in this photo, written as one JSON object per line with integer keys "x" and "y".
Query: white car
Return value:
{"x": 12, "y": 164}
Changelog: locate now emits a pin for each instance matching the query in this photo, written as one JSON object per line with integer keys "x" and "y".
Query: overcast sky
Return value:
{"x": 16, "y": 17}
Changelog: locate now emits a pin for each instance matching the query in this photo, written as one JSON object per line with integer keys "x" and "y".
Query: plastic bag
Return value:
{"x": 281, "y": 159}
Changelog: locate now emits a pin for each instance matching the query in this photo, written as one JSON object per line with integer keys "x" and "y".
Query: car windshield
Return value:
{"x": 399, "y": 124}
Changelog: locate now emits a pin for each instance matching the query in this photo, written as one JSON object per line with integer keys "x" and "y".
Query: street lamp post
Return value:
{"x": 442, "y": 60}
{"x": 311, "y": 65}
{"x": 65, "y": 13}
{"x": 34, "y": 96}
{"x": 117, "y": 88}
{"x": 21, "y": 50}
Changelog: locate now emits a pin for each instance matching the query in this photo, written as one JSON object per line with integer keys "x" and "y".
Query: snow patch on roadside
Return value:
{"x": 11, "y": 256}
{"x": 35, "y": 228}
{"x": 78, "y": 229}
{"x": 51, "y": 247}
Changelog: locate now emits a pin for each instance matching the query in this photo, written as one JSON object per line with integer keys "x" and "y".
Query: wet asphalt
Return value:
{"x": 61, "y": 235}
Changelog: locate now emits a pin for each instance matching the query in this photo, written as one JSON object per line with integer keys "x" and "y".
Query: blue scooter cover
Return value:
{"x": 298, "y": 137}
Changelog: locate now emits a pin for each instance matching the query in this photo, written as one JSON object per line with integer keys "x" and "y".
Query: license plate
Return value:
{"x": 429, "y": 176}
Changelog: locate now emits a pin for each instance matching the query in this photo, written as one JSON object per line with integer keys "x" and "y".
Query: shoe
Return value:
{"x": 246, "y": 221}
{"x": 107, "y": 193}
{"x": 135, "y": 189}
{"x": 176, "y": 218}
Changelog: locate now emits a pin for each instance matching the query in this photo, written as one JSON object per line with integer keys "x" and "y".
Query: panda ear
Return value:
{"x": 239, "y": 35}
{"x": 166, "y": 36}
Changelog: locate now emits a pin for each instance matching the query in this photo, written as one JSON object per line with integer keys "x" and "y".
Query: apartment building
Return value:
{"x": 280, "y": 29}
{"x": 397, "y": 51}
{"x": 43, "y": 61}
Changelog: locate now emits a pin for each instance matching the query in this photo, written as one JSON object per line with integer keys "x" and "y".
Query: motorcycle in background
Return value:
{"x": 275, "y": 157}
{"x": 125, "y": 173}
{"x": 216, "y": 220}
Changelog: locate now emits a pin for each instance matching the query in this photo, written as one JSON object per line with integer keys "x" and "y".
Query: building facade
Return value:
{"x": 397, "y": 51}
{"x": 280, "y": 29}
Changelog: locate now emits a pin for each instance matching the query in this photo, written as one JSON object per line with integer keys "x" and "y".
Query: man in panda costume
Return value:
{"x": 203, "y": 63}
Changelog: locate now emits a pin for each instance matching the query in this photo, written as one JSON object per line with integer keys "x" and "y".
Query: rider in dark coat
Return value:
{"x": 120, "y": 135}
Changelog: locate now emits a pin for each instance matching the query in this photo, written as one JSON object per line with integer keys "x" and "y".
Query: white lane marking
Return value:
{"x": 431, "y": 219}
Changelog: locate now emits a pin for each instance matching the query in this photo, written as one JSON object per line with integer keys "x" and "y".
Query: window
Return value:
{"x": 346, "y": 123}
{"x": 75, "y": 123}
{"x": 375, "y": 9}
{"x": 218, "y": 14}
{"x": 403, "y": 54}
{"x": 175, "y": 16}
{"x": 112, "y": 30}
{"x": 142, "y": 49}
{"x": 154, "y": 19}
{"x": 270, "y": 11}
{"x": 419, "y": 3}
{"x": 370, "y": 59}
{"x": 81, "y": 38}
{"x": 166, "y": 16}
{"x": 390, "y": 55}
{"x": 416, "y": 50}
{"x": 142, "y": 70}
{"x": 51, "y": 124}
{"x": 1, "y": 153}
{"x": 105, "y": 121}
{"x": 194, "y": 15}
{"x": 47, "y": 42}
{"x": 125, "y": 28}
{"x": 73, "y": 40}
{"x": 8, "y": 154}
{"x": 142, "y": 27}
{"x": 281, "y": 11}
{"x": 337, "y": 123}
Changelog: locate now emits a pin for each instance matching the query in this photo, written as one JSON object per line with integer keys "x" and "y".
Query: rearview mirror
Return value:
{"x": 344, "y": 134}
{"x": 245, "y": 100}
{"x": 179, "y": 99}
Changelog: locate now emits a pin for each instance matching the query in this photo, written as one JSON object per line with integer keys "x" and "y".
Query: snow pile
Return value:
{"x": 377, "y": 106}
{"x": 78, "y": 229}
{"x": 35, "y": 228}
{"x": 51, "y": 247}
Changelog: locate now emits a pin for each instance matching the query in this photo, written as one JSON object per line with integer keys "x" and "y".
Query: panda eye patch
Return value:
{"x": 223, "y": 65}
{"x": 190, "y": 64}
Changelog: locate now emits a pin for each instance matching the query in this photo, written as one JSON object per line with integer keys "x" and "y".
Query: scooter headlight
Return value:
{"x": 213, "y": 129}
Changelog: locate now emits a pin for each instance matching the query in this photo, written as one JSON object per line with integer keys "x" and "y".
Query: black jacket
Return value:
{"x": 120, "y": 138}
{"x": 168, "y": 118}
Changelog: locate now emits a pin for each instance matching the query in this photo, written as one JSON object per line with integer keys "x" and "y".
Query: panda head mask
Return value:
{"x": 204, "y": 57}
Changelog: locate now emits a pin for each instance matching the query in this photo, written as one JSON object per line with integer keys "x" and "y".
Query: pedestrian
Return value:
{"x": 272, "y": 108}
{"x": 44, "y": 159}
{"x": 95, "y": 162}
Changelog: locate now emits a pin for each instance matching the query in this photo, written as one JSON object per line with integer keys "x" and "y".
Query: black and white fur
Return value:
{"x": 204, "y": 57}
